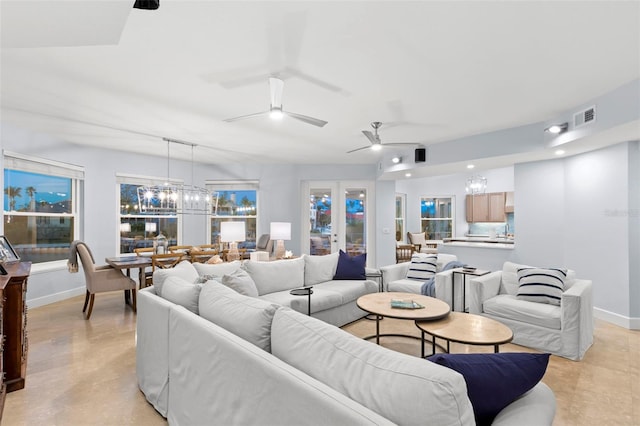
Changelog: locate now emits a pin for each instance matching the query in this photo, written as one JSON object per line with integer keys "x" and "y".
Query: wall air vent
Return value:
{"x": 586, "y": 116}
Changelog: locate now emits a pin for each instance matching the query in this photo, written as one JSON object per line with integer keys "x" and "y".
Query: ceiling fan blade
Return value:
{"x": 276, "y": 85}
{"x": 370, "y": 136}
{"x": 401, "y": 144}
{"x": 242, "y": 117}
{"x": 359, "y": 149}
{"x": 306, "y": 119}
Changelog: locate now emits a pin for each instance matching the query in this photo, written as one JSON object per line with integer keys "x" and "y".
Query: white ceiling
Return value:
{"x": 433, "y": 71}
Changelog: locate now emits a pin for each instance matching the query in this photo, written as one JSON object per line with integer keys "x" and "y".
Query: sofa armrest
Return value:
{"x": 394, "y": 272}
{"x": 577, "y": 315}
{"x": 483, "y": 288}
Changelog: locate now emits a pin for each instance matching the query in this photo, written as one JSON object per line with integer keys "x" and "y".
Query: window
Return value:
{"x": 401, "y": 202}
{"x": 142, "y": 220}
{"x": 234, "y": 201}
{"x": 41, "y": 205}
{"x": 437, "y": 217}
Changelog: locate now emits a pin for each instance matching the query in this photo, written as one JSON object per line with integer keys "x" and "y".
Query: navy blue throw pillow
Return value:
{"x": 350, "y": 268}
{"x": 495, "y": 380}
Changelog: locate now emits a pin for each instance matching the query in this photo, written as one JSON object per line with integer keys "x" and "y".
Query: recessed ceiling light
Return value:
{"x": 396, "y": 159}
{"x": 407, "y": 175}
{"x": 557, "y": 128}
{"x": 560, "y": 152}
{"x": 470, "y": 166}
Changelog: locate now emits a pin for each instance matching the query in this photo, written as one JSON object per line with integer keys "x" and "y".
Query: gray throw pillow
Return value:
{"x": 241, "y": 282}
{"x": 182, "y": 292}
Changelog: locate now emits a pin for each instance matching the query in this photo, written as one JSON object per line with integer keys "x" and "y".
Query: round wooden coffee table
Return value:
{"x": 379, "y": 304}
{"x": 464, "y": 328}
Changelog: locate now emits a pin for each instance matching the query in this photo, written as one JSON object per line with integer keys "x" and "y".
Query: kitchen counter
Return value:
{"x": 486, "y": 242}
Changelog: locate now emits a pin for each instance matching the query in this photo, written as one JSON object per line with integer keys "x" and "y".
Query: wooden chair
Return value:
{"x": 148, "y": 252}
{"x": 180, "y": 249}
{"x": 404, "y": 252}
{"x": 166, "y": 260}
{"x": 201, "y": 256}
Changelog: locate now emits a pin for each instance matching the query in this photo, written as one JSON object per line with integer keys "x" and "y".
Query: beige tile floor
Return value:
{"x": 83, "y": 372}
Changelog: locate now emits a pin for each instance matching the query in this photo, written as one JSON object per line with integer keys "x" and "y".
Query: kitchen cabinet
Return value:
{"x": 489, "y": 207}
{"x": 508, "y": 202}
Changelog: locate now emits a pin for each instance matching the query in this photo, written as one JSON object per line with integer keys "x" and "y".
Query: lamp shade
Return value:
{"x": 280, "y": 231}
{"x": 232, "y": 232}
{"x": 150, "y": 227}
{"x": 125, "y": 227}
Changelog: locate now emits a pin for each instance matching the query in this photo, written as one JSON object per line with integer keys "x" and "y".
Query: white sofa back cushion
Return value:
{"x": 217, "y": 269}
{"x": 277, "y": 275}
{"x": 422, "y": 391}
{"x": 184, "y": 270}
{"x": 318, "y": 269}
{"x": 244, "y": 316}
{"x": 181, "y": 292}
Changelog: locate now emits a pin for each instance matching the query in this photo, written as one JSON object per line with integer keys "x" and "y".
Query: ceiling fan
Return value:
{"x": 275, "y": 110}
{"x": 376, "y": 143}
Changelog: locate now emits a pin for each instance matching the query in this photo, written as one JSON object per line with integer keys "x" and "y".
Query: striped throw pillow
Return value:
{"x": 422, "y": 266}
{"x": 541, "y": 285}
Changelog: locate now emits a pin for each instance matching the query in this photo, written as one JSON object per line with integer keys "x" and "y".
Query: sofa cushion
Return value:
{"x": 181, "y": 292}
{"x": 423, "y": 392}
{"x": 318, "y": 269}
{"x": 277, "y": 275}
{"x": 240, "y": 281}
{"x": 244, "y": 316}
{"x": 541, "y": 285}
{"x": 510, "y": 307}
{"x": 495, "y": 380}
{"x": 422, "y": 267}
{"x": 216, "y": 270}
{"x": 184, "y": 270}
{"x": 405, "y": 286}
{"x": 351, "y": 267}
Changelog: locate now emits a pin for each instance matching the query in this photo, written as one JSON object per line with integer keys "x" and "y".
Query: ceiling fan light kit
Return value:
{"x": 276, "y": 112}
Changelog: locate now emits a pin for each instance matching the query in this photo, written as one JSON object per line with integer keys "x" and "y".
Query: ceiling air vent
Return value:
{"x": 584, "y": 117}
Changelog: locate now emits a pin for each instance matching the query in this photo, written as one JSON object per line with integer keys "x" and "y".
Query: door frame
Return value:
{"x": 338, "y": 220}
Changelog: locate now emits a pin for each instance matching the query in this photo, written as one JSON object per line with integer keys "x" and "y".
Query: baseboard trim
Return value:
{"x": 57, "y": 297}
{"x": 617, "y": 319}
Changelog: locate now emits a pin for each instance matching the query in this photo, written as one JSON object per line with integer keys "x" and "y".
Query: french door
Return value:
{"x": 338, "y": 215}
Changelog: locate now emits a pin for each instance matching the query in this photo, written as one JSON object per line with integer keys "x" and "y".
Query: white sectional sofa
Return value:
{"x": 333, "y": 301}
{"x": 240, "y": 360}
{"x": 565, "y": 330}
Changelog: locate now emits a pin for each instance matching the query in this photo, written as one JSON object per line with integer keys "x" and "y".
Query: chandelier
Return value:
{"x": 476, "y": 185}
{"x": 174, "y": 198}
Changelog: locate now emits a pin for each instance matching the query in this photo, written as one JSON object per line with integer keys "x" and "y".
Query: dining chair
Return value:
{"x": 180, "y": 249}
{"x": 148, "y": 275}
{"x": 166, "y": 260}
{"x": 101, "y": 279}
{"x": 404, "y": 252}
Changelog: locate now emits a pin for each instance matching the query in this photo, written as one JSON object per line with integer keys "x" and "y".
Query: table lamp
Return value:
{"x": 232, "y": 232}
{"x": 280, "y": 231}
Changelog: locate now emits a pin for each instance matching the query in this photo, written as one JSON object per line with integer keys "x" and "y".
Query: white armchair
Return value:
{"x": 565, "y": 330}
{"x": 394, "y": 278}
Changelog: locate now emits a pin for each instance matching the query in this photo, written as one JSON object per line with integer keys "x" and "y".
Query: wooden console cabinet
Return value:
{"x": 13, "y": 324}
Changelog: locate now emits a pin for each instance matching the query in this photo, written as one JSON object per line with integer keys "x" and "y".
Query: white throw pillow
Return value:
{"x": 184, "y": 270}
{"x": 218, "y": 269}
{"x": 244, "y": 316}
{"x": 418, "y": 238}
{"x": 278, "y": 275}
{"x": 422, "y": 267}
{"x": 541, "y": 285}
{"x": 181, "y": 292}
{"x": 240, "y": 281}
{"x": 319, "y": 269}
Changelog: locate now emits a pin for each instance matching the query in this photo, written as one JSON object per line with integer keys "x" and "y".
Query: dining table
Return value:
{"x": 128, "y": 263}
